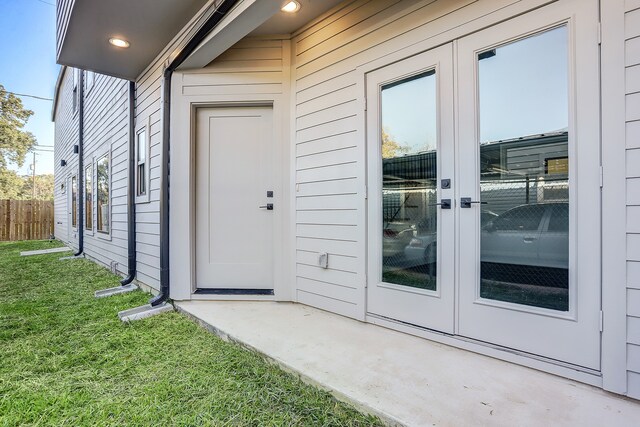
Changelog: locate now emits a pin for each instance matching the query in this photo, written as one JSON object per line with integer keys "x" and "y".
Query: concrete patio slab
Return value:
{"x": 45, "y": 251}
{"x": 404, "y": 379}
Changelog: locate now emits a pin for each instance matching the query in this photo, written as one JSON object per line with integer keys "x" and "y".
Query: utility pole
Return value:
{"x": 33, "y": 195}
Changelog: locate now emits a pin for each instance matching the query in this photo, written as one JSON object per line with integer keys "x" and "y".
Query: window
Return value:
{"x": 74, "y": 202}
{"x": 102, "y": 192}
{"x": 141, "y": 162}
{"x": 89, "y": 80}
{"x": 408, "y": 138}
{"x": 75, "y": 89}
{"x": 523, "y": 97}
{"x": 88, "y": 194}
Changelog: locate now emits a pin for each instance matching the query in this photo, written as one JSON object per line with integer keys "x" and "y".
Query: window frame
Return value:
{"x": 101, "y": 233}
{"x": 144, "y": 127}
{"x": 74, "y": 90}
{"x": 74, "y": 202}
{"x": 88, "y": 220}
{"x": 89, "y": 80}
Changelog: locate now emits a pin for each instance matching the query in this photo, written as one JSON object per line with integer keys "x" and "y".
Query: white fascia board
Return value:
{"x": 240, "y": 21}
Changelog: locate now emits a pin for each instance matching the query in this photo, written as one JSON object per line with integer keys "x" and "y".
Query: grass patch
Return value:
{"x": 66, "y": 359}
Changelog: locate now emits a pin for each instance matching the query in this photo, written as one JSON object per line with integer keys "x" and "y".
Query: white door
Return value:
{"x": 528, "y": 104}
{"x": 516, "y": 260}
{"x": 410, "y": 161}
{"x": 235, "y": 198}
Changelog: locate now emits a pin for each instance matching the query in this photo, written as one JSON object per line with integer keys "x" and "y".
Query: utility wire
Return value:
{"x": 46, "y": 2}
{"x": 30, "y": 96}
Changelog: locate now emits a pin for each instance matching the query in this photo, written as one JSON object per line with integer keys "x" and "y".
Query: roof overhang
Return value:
{"x": 148, "y": 25}
{"x": 56, "y": 92}
{"x": 255, "y": 18}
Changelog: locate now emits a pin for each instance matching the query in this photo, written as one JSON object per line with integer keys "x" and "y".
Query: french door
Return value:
{"x": 484, "y": 206}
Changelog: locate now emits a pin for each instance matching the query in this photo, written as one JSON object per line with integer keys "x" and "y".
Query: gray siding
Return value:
{"x": 105, "y": 132}
{"x": 148, "y": 110}
{"x": 329, "y": 152}
{"x": 63, "y": 14}
{"x": 632, "y": 89}
{"x": 66, "y": 136}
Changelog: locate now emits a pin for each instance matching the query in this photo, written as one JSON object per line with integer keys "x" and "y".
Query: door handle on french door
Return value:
{"x": 268, "y": 206}
{"x": 444, "y": 204}
{"x": 465, "y": 202}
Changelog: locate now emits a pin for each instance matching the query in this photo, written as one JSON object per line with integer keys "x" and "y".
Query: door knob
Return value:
{"x": 465, "y": 202}
{"x": 444, "y": 204}
{"x": 268, "y": 206}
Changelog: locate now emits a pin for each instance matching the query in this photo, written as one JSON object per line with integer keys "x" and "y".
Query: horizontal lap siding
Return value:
{"x": 148, "y": 111}
{"x": 106, "y": 130}
{"x": 632, "y": 86}
{"x": 329, "y": 149}
{"x": 66, "y": 136}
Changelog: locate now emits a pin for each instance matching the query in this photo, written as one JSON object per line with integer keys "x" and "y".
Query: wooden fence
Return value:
{"x": 26, "y": 219}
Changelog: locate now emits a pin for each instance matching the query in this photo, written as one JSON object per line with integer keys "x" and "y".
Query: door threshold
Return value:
{"x": 573, "y": 372}
{"x": 232, "y": 291}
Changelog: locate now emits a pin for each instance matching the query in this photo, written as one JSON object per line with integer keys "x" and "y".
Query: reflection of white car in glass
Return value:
{"x": 534, "y": 235}
{"x": 423, "y": 247}
{"x": 394, "y": 239}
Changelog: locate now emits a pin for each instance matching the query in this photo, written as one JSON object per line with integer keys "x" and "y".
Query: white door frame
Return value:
{"x": 611, "y": 349}
{"x": 429, "y": 309}
{"x": 532, "y": 329}
{"x": 182, "y": 201}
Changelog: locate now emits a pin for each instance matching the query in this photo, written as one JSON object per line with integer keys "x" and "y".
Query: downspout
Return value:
{"x": 131, "y": 192}
{"x": 200, "y": 35}
{"x": 80, "y": 200}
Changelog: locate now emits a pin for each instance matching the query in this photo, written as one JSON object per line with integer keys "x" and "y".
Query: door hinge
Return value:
{"x": 366, "y": 192}
{"x": 601, "y": 321}
{"x": 601, "y": 177}
{"x": 599, "y": 33}
{"x": 364, "y": 102}
{"x": 366, "y": 282}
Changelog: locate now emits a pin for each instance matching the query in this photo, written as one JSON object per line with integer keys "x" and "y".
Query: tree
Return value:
{"x": 15, "y": 142}
{"x": 11, "y": 185}
{"x": 16, "y": 187}
{"x": 391, "y": 148}
{"x": 44, "y": 187}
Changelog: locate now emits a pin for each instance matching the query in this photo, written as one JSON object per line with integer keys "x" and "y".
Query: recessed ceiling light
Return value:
{"x": 291, "y": 7}
{"x": 119, "y": 42}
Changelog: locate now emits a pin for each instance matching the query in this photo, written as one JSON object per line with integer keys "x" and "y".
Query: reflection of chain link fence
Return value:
{"x": 524, "y": 241}
{"x": 524, "y": 216}
{"x": 410, "y": 223}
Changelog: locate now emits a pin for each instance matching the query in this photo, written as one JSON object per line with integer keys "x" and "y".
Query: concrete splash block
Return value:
{"x": 115, "y": 291}
{"x": 45, "y": 251}
{"x": 143, "y": 312}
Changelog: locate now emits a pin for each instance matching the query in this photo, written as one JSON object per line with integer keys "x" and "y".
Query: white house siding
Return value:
{"x": 148, "y": 110}
{"x": 63, "y": 14}
{"x": 106, "y": 131}
{"x": 329, "y": 144}
{"x": 66, "y": 135}
{"x": 632, "y": 88}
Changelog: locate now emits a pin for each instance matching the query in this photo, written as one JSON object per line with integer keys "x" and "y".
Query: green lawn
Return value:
{"x": 66, "y": 359}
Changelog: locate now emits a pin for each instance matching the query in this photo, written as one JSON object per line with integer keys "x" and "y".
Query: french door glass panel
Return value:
{"x": 528, "y": 137}
{"x": 410, "y": 149}
{"x": 524, "y": 171}
{"x": 408, "y": 138}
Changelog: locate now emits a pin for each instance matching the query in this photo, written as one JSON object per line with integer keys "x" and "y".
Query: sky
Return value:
{"x": 523, "y": 91}
{"x": 28, "y": 66}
